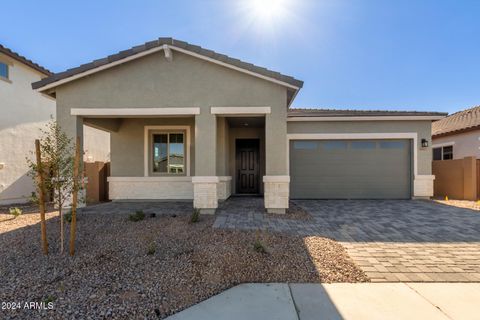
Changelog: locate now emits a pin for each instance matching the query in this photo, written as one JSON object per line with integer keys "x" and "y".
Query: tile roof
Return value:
{"x": 24, "y": 60}
{"x": 460, "y": 121}
{"x": 168, "y": 41}
{"x": 303, "y": 112}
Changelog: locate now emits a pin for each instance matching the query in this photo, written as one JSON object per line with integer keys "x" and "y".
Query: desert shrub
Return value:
{"x": 259, "y": 247}
{"x": 49, "y": 299}
{"x": 15, "y": 211}
{"x": 195, "y": 217}
{"x": 151, "y": 249}
{"x": 137, "y": 216}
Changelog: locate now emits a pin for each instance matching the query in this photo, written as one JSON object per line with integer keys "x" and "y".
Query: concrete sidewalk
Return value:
{"x": 340, "y": 301}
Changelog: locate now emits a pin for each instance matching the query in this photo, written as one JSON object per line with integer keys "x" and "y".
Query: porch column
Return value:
{"x": 277, "y": 179}
{"x": 73, "y": 128}
{"x": 205, "y": 180}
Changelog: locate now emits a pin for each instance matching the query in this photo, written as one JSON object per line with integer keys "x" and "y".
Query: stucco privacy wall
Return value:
{"x": 22, "y": 113}
{"x": 154, "y": 82}
{"x": 465, "y": 144}
{"x": 423, "y": 184}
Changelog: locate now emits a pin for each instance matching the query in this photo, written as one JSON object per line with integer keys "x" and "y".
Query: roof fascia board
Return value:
{"x": 117, "y": 112}
{"x": 97, "y": 69}
{"x": 227, "y": 65}
{"x": 364, "y": 118}
{"x": 153, "y": 50}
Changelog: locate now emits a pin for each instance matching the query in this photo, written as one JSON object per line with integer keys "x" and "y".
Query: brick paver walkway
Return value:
{"x": 391, "y": 240}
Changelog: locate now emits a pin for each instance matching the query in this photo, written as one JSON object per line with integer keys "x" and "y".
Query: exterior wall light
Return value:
{"x": 424, "y": 143}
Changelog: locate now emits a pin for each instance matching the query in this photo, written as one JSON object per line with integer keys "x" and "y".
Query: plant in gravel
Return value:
{"x": 259, "y": 247}
{"x": 57, "y": 168}
{"x": 137, "y": 216}
{"x": 151, "y": 249}
{"x": 15, "y": 211}
{"x": 49, "y": 299}
{"x": 195, "y": 217}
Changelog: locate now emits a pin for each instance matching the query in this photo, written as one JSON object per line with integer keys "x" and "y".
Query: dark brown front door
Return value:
{"x": 247, "y": 151}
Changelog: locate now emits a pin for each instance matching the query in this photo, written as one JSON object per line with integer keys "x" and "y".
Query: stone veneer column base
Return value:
{"x": 205, "y": 195}
{"x": 224, "y": 188}
{"x": 276, "y": 193}
{"x": 423, "y": 186}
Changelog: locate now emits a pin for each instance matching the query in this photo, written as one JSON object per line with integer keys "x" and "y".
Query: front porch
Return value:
{"x": 183, "y": 154}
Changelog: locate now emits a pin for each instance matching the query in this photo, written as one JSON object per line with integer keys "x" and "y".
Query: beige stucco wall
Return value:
{"x": 153, "y": 82}
{"x": 96, "y": 145}
{"x": 223, "y": 143}
{"x": 127, "y": 145}
{"x": 465, "y": 144}
{"x": 22, "y": 113}
{"x": 422, "y": 128}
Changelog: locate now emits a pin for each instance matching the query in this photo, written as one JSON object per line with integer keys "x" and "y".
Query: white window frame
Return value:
{"x": 441, "y": 147}
{"x": 169, "y": 129}
{"x": 7, "y": 78}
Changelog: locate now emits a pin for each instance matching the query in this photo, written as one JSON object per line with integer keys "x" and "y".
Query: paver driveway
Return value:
{"x": 391, "y": 240}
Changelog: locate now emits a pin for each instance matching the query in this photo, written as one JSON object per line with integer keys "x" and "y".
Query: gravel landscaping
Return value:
{"x": 151, "y": 268}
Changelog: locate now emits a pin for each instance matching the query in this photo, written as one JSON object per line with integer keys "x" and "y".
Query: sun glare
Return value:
{"x": 266, "y": 14}
{"x": 269, "y": 9}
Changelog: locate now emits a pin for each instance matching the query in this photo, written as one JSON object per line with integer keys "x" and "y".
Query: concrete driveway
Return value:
{"x": 391, "y": 240}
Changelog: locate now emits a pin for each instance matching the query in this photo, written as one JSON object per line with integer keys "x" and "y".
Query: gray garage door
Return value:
{"x": 350, "y": 169}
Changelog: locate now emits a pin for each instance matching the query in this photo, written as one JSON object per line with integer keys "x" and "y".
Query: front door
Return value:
{"x": 247, "y": 165}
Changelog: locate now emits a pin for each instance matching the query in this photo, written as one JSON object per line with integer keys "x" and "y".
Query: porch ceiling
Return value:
{"x": 246, "y": 122}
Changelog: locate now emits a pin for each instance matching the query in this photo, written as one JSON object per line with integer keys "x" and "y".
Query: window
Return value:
{"x": 3, "y": 70}
{"x": 392, "y": 144}
{"x": 447, "y": 153}
{"x": 335, "y": 145}
{"x": 305, "y": 145}
{"x": 168, "y": 153}
{"x": 364, "y": 145}
{"x": 443, "y": 153}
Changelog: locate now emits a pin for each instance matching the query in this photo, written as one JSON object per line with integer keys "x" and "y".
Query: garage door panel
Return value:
{"x": 371, "y": 169}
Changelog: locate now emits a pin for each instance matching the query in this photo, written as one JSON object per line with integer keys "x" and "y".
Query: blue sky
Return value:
{"x": 365, "y": 54}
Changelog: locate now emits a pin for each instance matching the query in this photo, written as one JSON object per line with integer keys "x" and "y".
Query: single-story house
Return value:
{"x": 457, "y": 136}
{"x": 190, "y": 123}
{"x": 23, "y": 112}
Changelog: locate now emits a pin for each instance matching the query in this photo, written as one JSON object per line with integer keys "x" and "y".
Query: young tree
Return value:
{"x": 76, "y": 187}
{"x": 41, "y": 195}
{"x": 57, "y": 154}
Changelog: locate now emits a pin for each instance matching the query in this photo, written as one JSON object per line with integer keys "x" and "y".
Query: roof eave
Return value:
{"x": 295, "y": 118}
{"x": 17, "y": 57}
{"x": 455, "y": 132}
{"x": 45, "y": 84}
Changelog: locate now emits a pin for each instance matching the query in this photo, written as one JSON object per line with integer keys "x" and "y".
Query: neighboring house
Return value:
{"x": 189, "y": 123}
{"x": 457, "y": 136}
{"x": 23, "y": 112}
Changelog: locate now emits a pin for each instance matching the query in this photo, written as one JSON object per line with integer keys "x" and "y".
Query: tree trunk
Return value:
{"x": 41, "y": 197}
{"x": 60, "y": 205}
{"x": 73, "y": 224}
